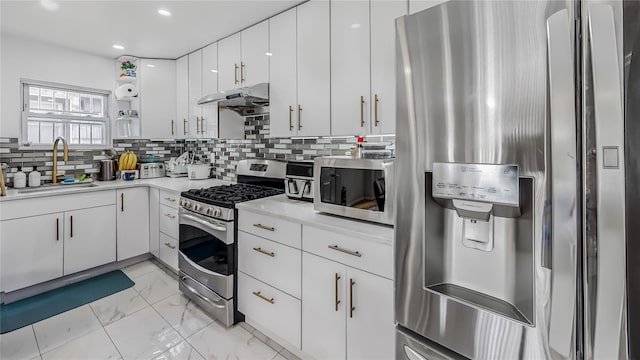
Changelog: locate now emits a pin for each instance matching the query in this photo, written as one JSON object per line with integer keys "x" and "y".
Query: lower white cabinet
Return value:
{"x": 169, "y": 251}
{"x": 89, "y": 238}
{"x": 133, "y": 222}
{"x": 164, "y": 215}
{"x": 31, "y": 250}
{"x": 346, "y": 312}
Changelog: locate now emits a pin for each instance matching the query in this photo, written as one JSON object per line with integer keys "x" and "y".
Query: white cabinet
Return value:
{"x": 195, "y": 93}
{"x": 300, "y": 71}
{"x": 182, "y": 97}
{"x": 132, "y": 222}
{"x": 332, "y": 292}
{"x": 254, "y": 67}
{"x": 154, "y": 222}
{"x": 243, "y": 58}
{"x": 167, "y": 227}
{"x": 229, "y": 62}
{"x": 158, "y": 98}
{"x": 419, "y": 5}
{"x": 89, "y": 238}
{"x": 169, "y": 251}
{"x": 350, "y": 70}
{"x": 31, "y": 250}
{"x": 383, "y": 80}
{"x": 209, "y": 120}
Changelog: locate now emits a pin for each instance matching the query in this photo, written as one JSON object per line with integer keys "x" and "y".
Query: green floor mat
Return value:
{"x": 31, "y": 310}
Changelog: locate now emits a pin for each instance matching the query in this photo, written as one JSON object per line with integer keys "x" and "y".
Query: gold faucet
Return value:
{"x": 65, "y": 157}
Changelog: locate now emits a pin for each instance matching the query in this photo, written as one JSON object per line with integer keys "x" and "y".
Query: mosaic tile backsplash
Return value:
{"x": 223, "y": 154}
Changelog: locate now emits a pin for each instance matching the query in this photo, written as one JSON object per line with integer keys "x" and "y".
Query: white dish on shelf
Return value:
{"x": 127, "y": 79}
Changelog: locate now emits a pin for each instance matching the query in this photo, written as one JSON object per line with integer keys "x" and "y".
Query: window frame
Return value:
{"x": 24, "y": 114}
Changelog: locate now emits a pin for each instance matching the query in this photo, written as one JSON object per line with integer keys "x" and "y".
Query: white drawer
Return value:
{"x": 271, "y": 308}
{"x": 169, "y": 221}
{"x": 169, "y": 198}
{"x": 275, "y": 264}
{"x": 55, "y": 202}
{"x": 169, "y": 251}
{"x": 278, "y": 230}
{"x": 367, "y": 255}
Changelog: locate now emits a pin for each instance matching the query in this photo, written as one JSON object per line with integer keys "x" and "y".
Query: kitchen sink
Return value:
{"x": 56, "y": 187}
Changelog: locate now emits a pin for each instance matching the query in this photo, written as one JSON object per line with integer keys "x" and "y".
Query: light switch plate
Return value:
{"x": 610, "y": 157}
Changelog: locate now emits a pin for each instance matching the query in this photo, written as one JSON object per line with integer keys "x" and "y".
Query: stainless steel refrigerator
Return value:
{"x": 518, "y": 175}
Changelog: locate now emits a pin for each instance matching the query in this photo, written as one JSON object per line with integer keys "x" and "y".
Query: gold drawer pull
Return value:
{"x": 354, "y": 253}
{"x": 169, "y": 246}
{"x": 170, "y": 199}
{"x": 337, "y": 300}
{"x": 258, "y": 294}
{"x": 170, "y": 216}
{"x": 264, "y": 227}
{"x": 272, "y": 254}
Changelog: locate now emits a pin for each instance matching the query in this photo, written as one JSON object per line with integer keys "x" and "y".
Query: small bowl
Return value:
{"x": 128, "y": 175}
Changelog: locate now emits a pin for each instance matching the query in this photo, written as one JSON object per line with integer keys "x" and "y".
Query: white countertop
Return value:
{"x": 301, "y": 211}
{"x": 165, "y": 183}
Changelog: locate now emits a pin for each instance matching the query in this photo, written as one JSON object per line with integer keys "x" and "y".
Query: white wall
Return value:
{"x": 34, "y": 60}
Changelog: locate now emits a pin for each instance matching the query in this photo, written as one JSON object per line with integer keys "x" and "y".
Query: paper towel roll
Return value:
{"x": 126, "y": 90}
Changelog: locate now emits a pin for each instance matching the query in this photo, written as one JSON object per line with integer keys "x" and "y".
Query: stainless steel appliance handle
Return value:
{"x": 197, "y": 220}
{"x": 609, "y": 134}
{"x": 564, "y": 179}
{"x": 204, "y": 298}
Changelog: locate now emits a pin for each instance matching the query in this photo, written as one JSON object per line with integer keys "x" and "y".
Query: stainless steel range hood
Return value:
{"x": 239, "y": 99}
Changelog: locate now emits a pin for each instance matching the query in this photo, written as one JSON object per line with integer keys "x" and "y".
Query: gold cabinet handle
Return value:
{"x": 184, "y": 126}
{"x": 337, "y": 301}
{"x": 290, "y": 118}
{"x": 299, "y": 117}
{"x": 258, "y": 294}
{"x": 264, "y": 227}
{"x": 170, "y": 199}
{"x": 170, "y": 216}
{"x": 272, "y": 254}
{"x": 122, "y": 202}
{"x": 57, "y": 229}
{"x": 170, "y": 246}
{"x": 71, "y": 226}
{"x": 235, "y": 73}
{"x": 361, "y": 111}
{"x": 242, "y": 79}
{"x": 351, "y": 307}
{"x": 375, "y": 109}
{"x": 172, "y": 127}
{"x": 337, "y": 248}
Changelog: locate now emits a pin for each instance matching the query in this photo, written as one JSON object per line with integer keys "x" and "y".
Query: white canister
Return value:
{"x": 19, "y": 179}
{"x": 34, "y": 178}
{"x": 198, "y": 171}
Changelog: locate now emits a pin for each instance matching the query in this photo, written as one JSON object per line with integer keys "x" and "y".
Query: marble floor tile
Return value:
{"x": 279, "y": 357}
{"x": 184, "y": 315}
{"x": 141, "y": 268}
{"x": 95, "y": 345}
{"x": 156, "y": 286}
{"x": 142, "y": 335}
{"x": 118, "y": 305}
{"x": 19, "y": 344}
{"x": 218, "y": 342}
{"x": 62, "y": 328}
{"x": 288, "y": 355}
{"x": 182, "y": 351}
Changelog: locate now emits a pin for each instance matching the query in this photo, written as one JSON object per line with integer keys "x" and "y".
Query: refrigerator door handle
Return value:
{"x": 564, "y": 180}
{"x": 609, "y": 133}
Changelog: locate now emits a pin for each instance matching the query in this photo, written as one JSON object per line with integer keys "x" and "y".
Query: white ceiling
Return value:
{"x": 94, "y": 26}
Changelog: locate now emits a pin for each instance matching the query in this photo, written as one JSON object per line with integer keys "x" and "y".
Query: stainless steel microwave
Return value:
{"x": 358, "y": 188}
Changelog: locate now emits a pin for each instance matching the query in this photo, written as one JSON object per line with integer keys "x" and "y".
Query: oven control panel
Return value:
{"x": 207, "y": 209}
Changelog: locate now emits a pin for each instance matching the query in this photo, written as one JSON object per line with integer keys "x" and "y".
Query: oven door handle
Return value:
{"x": 204, "y": 298}
{"x": 202, "y": 222}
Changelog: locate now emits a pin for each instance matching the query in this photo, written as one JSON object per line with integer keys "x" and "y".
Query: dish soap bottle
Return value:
{"x": 34, "y": 177}
{"x": 19, "y": 179}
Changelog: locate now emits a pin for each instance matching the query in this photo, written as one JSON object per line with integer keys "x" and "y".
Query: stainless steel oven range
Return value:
{"x": 208, "y": 250}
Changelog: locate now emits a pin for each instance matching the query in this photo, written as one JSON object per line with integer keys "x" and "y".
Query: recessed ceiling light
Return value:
{"x": 151, "y": 65}
{"x": 164, "y": 12}
{"x": 268, "y": 53}
{"x": 50, "y": 4}
{"x": 355, "y": 26}
{"x": 214, "y": 70}
{"x": 119, "y": 47}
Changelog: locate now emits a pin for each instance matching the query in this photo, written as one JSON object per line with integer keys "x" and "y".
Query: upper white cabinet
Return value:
{"x": 243, "y": 58}
{"x": 158, "y": 100}
{"x": 89, "y": 239}
{"x": 132, "y": 222}
{"x": 209, "y": 116}
{"x": 419, "y": 5}
{"x": 300, "y": 71}
{"x": 195, "y": 93}
{"x": 182, "y": 97}
{"x": 383, "y": 80}
{"x": 350, "y": 67}
{"x": 229, "y": 53}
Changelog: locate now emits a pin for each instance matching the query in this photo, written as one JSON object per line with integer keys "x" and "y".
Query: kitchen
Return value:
{"x": 268, "y": 239}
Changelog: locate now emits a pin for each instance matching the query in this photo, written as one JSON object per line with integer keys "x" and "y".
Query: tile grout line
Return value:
{"x": 106, "y": 332}
{"x": 33, "y": 329}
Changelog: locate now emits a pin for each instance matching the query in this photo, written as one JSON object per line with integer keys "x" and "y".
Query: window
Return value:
{"x": 79, "y": 115}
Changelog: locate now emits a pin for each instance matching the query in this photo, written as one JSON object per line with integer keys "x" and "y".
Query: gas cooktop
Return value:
{"x": 229, "y": 195}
